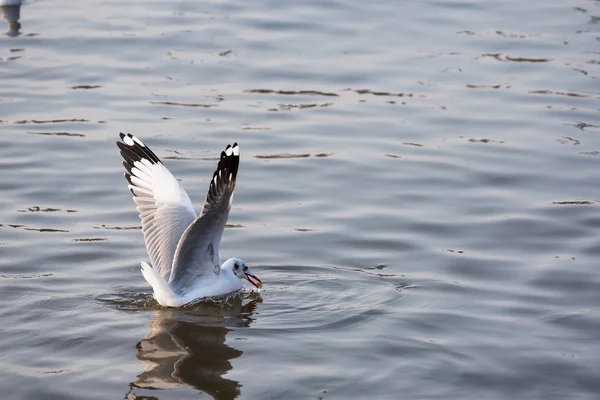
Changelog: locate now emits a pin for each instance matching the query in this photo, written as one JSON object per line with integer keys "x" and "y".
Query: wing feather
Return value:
{"x": 165, "y": 208}
{"x": 196, "y": 261}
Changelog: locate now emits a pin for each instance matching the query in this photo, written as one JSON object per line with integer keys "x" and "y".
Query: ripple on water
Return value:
{"x": 313, "y": 299}
{"x": 134, "y": 300}
{"x": 128, "y": 300}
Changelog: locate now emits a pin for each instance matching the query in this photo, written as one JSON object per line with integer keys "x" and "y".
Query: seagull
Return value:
{"x": 183, "y": 248}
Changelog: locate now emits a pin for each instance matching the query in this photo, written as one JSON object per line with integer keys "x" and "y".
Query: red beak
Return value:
{"x": 253, "y": 279}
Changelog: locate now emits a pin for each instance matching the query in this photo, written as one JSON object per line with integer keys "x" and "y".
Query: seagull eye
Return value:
{"x": 245, "y": 268}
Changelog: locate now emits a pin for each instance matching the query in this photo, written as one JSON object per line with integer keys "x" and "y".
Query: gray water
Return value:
{"x": 419, "y": 193}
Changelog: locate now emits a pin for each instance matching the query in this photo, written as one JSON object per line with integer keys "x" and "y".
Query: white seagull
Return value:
{"x": 183, "y": 249}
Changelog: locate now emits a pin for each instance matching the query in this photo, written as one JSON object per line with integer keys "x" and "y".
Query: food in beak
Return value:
{"x": 253, "y": 279}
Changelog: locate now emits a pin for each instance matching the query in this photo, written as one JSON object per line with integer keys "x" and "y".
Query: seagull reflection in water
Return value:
{"x": 186, "y": 347}
{"x": 10, "y": 10}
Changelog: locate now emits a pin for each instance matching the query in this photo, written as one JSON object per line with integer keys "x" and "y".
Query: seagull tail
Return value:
{"x": 162, "y": 291}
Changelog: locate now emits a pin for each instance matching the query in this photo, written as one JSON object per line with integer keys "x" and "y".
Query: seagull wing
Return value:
{"x": 165, "y": 208}
{"x": 196, "y": 261}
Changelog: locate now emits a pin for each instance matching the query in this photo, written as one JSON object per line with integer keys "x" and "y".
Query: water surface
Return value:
{"x": 418, "y": 193}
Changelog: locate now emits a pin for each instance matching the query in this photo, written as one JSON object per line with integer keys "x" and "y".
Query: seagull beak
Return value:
{"x": 253, "y": 279}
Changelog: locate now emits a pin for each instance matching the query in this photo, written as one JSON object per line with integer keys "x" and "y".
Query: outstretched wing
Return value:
{"x": 196, "y": 260}
{"x": 165, "y": 208}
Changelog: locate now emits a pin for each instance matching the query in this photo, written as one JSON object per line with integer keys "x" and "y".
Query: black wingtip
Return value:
{"x": 231, "y": 160}
{"x": 133, "y": 149}
{"x": 128, "y": 177}
{"x": 227, "y": 169}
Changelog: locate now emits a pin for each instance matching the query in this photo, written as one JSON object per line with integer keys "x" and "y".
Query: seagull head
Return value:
{"x": 242, "y": 271}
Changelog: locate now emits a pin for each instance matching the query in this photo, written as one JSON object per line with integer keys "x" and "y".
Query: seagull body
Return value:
{"x": 183, "y": 248}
